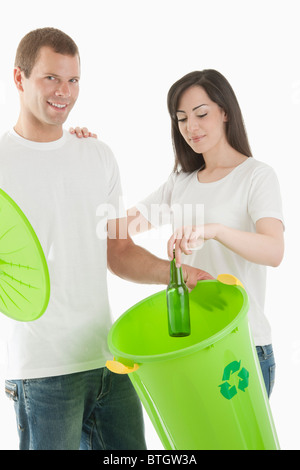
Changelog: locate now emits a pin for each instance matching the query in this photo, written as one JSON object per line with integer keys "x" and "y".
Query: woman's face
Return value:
{"x": 201, "y": 121}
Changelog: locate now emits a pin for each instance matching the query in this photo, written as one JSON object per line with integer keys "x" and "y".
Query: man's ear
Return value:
{"x": 18, "y": 78}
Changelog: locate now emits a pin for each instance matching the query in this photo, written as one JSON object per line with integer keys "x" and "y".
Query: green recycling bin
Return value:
{"x": 204, "y": 391}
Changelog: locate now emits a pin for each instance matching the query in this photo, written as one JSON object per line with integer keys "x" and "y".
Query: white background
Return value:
{"x": 132, "y": 51}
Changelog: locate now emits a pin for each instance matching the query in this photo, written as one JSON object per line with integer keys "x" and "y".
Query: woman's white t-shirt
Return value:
{"x": 247, "y": 194}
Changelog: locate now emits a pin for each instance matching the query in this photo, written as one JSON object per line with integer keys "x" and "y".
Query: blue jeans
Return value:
{"x": 89, "y": 410}
{"x": 267, "y": 364}
{"x": 93, "y": 410}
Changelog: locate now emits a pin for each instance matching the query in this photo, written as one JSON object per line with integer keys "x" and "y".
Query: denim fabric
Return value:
{"x": 96, "y": 409}
{"x": 267, "y": 364}
{"x": 93, "y": 410}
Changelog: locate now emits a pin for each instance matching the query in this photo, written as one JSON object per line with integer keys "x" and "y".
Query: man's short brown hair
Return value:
{"x": 29, "y": 47}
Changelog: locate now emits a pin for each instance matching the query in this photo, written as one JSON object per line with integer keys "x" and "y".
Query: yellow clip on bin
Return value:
{"x": 203, "y": 391}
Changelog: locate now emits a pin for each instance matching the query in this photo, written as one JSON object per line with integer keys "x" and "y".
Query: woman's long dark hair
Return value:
{"x": 220, "y": 91}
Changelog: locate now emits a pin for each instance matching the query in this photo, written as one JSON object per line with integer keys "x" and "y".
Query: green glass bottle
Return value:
{"x": 178, "y": 302}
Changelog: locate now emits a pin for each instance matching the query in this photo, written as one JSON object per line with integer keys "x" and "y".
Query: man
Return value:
{"x": 70, "y": 191}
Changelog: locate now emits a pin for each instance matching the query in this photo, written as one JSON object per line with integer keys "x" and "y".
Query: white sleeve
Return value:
{"x": 264, "y": 196}
{"x": 115, "y": 203}
{"x": 156, "y": 207}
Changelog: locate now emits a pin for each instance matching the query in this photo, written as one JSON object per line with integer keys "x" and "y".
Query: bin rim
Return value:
{"x": 185, "y": 351}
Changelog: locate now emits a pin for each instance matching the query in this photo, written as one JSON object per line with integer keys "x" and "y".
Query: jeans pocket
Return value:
{"x": 11, "y": 390}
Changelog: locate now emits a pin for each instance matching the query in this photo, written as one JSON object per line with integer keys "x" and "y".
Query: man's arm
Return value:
{"x": 134, "y": 263}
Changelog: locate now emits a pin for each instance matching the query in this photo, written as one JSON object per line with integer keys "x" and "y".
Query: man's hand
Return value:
{"x": 192, "y": 275}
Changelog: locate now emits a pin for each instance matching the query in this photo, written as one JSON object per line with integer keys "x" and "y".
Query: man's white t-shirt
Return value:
{"x": 67, "y": 189}
{"x": 250, "y": 192}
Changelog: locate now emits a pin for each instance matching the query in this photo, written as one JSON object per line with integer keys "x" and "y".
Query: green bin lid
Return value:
{"x": 24, "y": 276}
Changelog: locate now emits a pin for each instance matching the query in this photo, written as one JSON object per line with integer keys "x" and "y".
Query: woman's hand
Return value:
{"x": 82, "y": 132}
{"x": 189, "y": 238}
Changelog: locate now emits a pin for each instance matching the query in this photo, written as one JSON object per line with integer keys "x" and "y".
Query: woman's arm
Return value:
{"x": 266, "y": 246}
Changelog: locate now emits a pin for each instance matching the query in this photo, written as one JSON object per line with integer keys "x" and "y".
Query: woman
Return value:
{"x": 242, "y": 228}
{"x": 215, "y": 178}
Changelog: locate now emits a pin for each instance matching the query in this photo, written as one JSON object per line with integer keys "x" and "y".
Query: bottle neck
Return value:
{"x": 176, "y": 276}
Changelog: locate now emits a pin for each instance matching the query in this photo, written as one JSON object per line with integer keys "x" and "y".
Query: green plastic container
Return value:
{"x": 203, "y": 391}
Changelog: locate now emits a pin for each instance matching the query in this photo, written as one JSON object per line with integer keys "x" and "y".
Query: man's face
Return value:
{"x": 52, "y": 89}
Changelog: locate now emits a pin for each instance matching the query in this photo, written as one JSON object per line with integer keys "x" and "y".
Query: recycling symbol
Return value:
{"x": 229, "y": 390}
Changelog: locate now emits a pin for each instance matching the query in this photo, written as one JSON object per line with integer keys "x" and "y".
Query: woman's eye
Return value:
{"x": 185, "y": 119}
